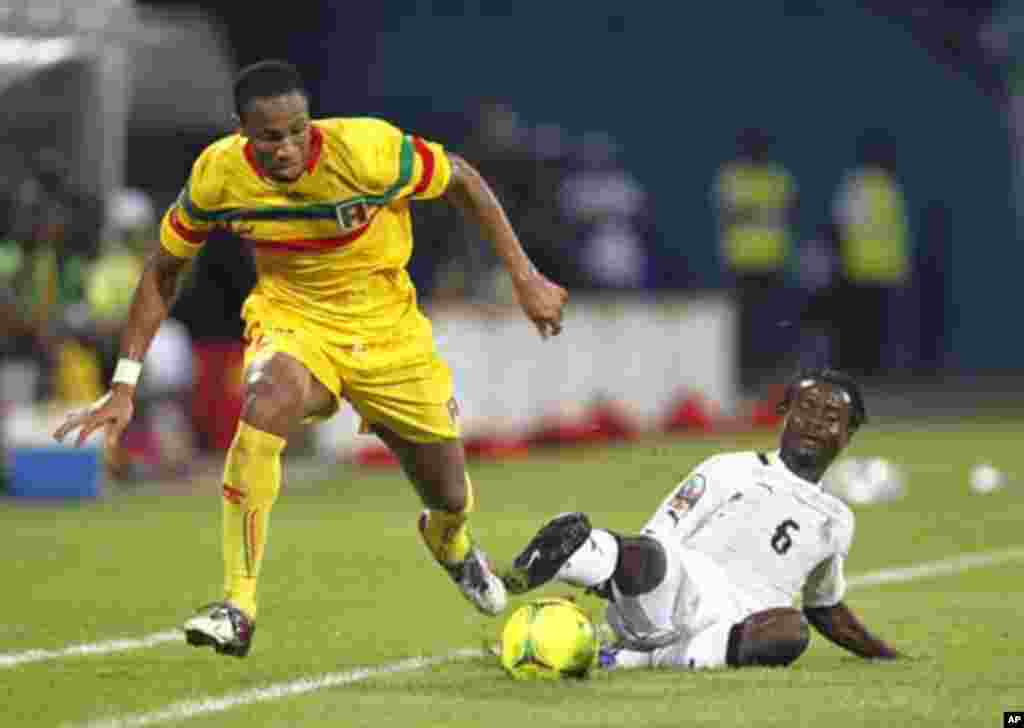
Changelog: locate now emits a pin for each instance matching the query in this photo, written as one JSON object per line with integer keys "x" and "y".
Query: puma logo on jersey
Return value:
{"x": 453, "y": 411}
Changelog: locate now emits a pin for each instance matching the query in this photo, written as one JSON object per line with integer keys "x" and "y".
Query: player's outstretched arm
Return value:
{"x": 150, "y": 305}
{"x": 843, "y": 628}
{"x": 540, "y": 299}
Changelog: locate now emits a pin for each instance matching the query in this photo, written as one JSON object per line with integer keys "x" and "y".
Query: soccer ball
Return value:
{"x": 549, "y": 639}
{"x": 862, "y": 481}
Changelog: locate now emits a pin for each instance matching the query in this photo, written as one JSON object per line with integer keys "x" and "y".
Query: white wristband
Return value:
{"x": 127, "y": 372}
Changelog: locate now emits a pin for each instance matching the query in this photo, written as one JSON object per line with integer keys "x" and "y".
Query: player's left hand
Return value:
{"x": 542, "y": 301}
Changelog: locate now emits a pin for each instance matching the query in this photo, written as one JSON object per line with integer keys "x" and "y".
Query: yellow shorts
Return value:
{"x": 402, "y": 385}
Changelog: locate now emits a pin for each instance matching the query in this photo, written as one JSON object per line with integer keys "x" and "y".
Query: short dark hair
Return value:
{"x": 266, "y": 79}
{"x": 858, "y": 413}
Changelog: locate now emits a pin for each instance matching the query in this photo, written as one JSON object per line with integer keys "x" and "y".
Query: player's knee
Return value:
{"x": 269, "y": 410}
{"x": 272, "y": 402}
{"x": 774, "y": 638}
{"x": 641, "y": 567}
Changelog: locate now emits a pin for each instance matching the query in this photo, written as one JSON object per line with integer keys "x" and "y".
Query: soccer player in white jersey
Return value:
{"x": 712, "y": 578}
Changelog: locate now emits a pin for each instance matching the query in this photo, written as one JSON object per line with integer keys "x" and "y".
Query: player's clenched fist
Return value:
{"x": 113, "y": 411}
{"x": 543, "y": 302}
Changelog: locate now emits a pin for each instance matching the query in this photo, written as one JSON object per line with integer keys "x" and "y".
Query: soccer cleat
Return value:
{"x": 221, "y": 626}
{"x": 540, "y": 561}
{"x": 475, "y": 579}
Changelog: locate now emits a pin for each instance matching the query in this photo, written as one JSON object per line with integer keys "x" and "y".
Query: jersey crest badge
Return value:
{"x": 352, "y": 215}
{"x": 688, "y": 494}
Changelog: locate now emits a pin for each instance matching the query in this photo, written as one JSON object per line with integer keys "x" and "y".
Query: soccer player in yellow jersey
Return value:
{"x": 324, "y": 205}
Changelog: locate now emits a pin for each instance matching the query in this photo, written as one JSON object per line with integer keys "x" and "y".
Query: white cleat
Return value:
{"x": 478, "y": 583}
{"x": 475, "y": 580}
{"x": 221, "y": 626}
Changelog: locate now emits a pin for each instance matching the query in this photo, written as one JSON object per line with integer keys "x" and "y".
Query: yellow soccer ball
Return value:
{"x": 549, "y": 639}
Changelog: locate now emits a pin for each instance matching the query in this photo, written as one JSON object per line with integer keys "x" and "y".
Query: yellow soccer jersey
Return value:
{"x": 330, "y": 248}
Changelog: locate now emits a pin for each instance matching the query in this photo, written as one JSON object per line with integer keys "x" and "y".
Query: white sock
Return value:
{"x": 592, "y": 563}
{"x": 632, "y": 659}
{"x": 704, "y": 650}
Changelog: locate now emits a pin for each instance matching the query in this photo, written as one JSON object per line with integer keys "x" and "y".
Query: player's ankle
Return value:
{"x": 247, "y": 609}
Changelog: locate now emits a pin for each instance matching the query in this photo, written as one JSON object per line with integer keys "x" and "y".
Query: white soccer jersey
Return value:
{"x": 772, "y": 533}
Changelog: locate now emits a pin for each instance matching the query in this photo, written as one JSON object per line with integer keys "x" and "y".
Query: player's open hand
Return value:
{"x": 543, "y": 302}
{"x": 113, "y": 411}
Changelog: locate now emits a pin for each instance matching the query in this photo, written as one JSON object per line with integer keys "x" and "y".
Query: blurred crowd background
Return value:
{"x": 848, "y": 173}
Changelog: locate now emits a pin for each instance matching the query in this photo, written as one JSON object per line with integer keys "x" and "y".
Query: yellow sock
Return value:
{"x": 252, "y": 480}
{"x": 447, "y": 533}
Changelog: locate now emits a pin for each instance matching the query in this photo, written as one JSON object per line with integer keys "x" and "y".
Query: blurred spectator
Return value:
{"x": 582, "y": 218}
{"x": 497, "y": 146}
{"x": 1002, "y": 37}
{"x": 52, "y": 233}
{"x": 606, "y": 205}
{"x": 131, "y": 213}
{"x": 819, "y": 277}
{"x": 59, "y": 223}
{"x": 544, "y": 227}
{"x": 51, "y": 208}
{"x": 871, "y": 212}
{"x": 23, "y": 342}
{"x": 755, "y": 199}
{"x": 160, "y": 439}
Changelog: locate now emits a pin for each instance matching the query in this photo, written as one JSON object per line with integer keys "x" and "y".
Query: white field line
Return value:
{"x": 929, "y": 569}
{"x": 192, "y": 708}
{"x": 13, "y": 659}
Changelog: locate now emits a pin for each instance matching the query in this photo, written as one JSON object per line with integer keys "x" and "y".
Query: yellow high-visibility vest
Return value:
{"x": 875, "y": 244}
{"x": 760, "y": 194}
{"x": 79, "y": 374}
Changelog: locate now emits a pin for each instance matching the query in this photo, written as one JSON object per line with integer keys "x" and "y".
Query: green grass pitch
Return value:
{"x": 347, "y": 585}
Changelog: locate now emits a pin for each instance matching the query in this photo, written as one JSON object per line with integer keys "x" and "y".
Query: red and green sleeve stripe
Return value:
{"x": 427, "y": 159}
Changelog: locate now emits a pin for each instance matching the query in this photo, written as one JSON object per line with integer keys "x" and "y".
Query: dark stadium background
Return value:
{"x": 671, "y": 84}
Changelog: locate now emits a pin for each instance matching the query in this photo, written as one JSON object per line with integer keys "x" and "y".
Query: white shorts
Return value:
{"x": 685, "y": 621}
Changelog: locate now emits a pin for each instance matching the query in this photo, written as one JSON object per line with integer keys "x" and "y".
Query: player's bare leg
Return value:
{"x": 438, "y": 472}
{"x": 774, "y": 637}
{"x": 279, "y": 392}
